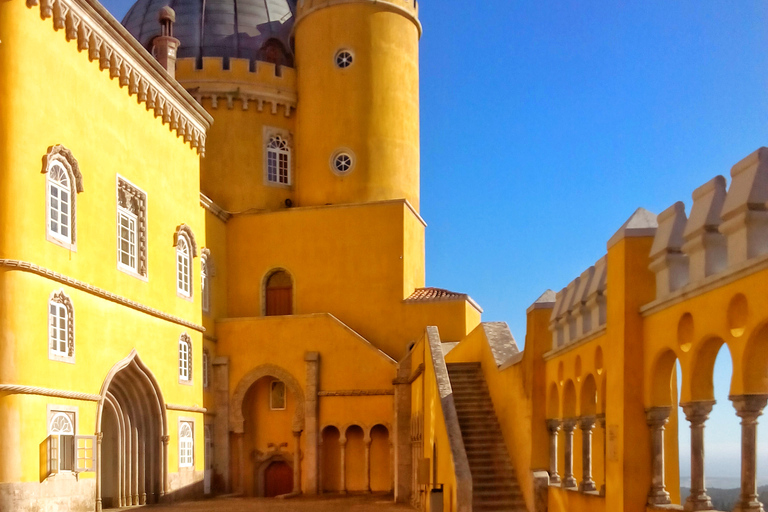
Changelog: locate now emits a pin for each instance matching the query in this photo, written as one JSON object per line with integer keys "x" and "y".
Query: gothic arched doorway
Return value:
{"x": 132, "y": 468}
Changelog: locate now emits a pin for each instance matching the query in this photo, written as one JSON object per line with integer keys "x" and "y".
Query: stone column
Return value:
{"x": 240, "y": 436}
{"x": 586, "y": 424}
{"x": 402, "y": 463}
{"x": 697, "y": 413}
{"x": 164, "y": 488}
{"x": 311, "y": 440}
{"x": 749, "y": 408}
{"x": 553, "y": 426}
{"x": 99, "y": 439}
{"x": 297, "y": 462}
{"x": 320, "y": 459}
{"x": 367, "y": 464}
{"x": 343, "y": 479}
{"x": 601, "y": 422}
{"x": 221, "y": 427}
{"x": 569, "y": 482}
{"x": 657, "y": 418}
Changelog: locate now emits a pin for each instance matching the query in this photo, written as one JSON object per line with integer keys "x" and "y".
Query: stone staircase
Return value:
{"x": 494, "y": 481}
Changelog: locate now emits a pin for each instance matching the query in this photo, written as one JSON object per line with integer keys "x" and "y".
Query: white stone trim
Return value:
{"x": 267, "y": 133}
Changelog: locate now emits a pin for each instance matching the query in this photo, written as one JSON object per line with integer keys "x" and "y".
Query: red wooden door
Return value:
{"x": 279, "y": 301}
{"x": 278, "y": 479}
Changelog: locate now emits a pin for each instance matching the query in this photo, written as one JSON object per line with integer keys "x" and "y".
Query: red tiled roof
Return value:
{"x": 434, "y": 293}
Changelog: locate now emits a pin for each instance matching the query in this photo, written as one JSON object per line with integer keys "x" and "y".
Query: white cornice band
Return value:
{"x": 26, "y": 266}
{"x": 12, "y": 389}
{"x": 186, "y": 408}
{"x": 96, "y": 30}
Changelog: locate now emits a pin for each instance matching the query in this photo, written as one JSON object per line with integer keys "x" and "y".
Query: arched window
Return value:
{"x": 183, "y": 269}
{"x": 63, "y": 182}
{"x": 205, "y": 283}
{"x": 206, "y": 369}
{"x": 61, "y": 442}
{"x": 279, "y": 294}
{"x": 61, "y": 332}
{"x": 278, "y": 160}
{"x": 186, "y": 444}
{"x": 185, "y": 358}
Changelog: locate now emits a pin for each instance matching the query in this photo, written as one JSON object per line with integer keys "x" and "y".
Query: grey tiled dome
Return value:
{"x": 220, "y": 28}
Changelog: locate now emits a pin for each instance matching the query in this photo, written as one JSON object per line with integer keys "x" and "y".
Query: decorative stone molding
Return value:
{"x": 236, "y": 420}
{"x": 13, "y": 389}
{"x": 205, "y": 256}
{"x": 26, "y": 266}
{"x": 186, "y": 408}
{"x": 63, "y": 156}
{"x": 358, "y": 392}
{"x": 215, "y": 209}
{"x": 59, "y": 153}
{"x": 62, "y": 298}
{"x": 186, "y": 231}
{"x": 184, "y": 338}
{"x": 109, "y": 43}
{"x": 134, "y": 200}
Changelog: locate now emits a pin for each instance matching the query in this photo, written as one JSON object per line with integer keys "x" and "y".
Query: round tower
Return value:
{"x": 357, "y": 123}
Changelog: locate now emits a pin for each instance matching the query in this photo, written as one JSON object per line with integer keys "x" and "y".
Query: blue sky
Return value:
{"x": 545, "y": 124}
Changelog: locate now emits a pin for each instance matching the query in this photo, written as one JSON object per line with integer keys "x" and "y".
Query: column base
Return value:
{"x": 602, "y": 490}
{"x": 588, "y": 486}
{"x": 700, "y": 502}
{"x": 554, "y": 479}
{"x": 659, "y": 497}
{"x": 570, "y": 482}
{"x": 749, "y": 506}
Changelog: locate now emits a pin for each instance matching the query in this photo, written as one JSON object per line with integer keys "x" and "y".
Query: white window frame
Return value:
{"x": 272, "y": 406}
{"x": 64, "y": 240}
{"x": 185, "y": 359}
{"x": 140, "y": 248}
{"x": 186, "y": 443}
{"x": 206, "y": 371}
{"x": 184, "y": 267}
{"x": 271, "y": 133}
{"x": 62, "y": 304}
{"x": 56, "y": 463}
{"x": 133, "y": 245}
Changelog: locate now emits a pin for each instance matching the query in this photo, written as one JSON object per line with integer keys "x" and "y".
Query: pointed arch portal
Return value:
{"x": 132, "y": 449}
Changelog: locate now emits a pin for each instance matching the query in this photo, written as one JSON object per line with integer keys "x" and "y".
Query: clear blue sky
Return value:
{"x": 545, "y": 124}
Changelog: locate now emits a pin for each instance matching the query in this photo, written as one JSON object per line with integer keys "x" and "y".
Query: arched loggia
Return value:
{"x": 132, "y": 430}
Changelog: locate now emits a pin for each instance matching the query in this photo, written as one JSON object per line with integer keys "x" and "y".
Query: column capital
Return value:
{"x": 749, "y": 407}
{"x": 657, "y": 416}
{"x": 553, "y": 425}
{"x": 587, "y": 422}
{"x": 698, "y": 412}
{"x": 165, "y": 439}
{"x": 569, "y": 424}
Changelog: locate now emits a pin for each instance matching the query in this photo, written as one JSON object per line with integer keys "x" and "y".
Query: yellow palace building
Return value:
{"x": 212, "y": 282}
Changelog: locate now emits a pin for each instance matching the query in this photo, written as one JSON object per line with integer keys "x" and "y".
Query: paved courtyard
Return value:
{"x": 368, "y": 503}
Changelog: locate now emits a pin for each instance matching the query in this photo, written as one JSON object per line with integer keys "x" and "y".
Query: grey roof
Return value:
{"x": 216, "y": 28}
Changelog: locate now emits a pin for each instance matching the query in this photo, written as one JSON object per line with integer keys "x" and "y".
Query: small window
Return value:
{"x": 186, "y": 444}
{"x": 183, "y": 270}
{"x": 185, "y": 358}
{"x": 131, "y": 228}
{"x": 61, "y": 333}
{"x": 277, "y": 395}
{"x": 205, "y": 285}
{"x": 342, "y": 162}
{"x": 278, "y": 160}
{"x": 206, "y": 369}
{"x": 344, "y": 59}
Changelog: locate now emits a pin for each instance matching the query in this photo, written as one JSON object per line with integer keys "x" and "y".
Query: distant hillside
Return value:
{"x": 725, "y": 499}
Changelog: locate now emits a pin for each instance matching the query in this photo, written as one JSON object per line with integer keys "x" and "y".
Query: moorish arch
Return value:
{"x": 236, "y": 419}
{"x": 132, "y": 452}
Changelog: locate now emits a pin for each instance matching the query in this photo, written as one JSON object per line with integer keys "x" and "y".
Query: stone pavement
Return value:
{"x": 366, "y": 503}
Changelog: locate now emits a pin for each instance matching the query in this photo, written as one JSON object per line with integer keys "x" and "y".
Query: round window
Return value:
{"x": 342, "y": 163}
{"x": 344, "y": 59}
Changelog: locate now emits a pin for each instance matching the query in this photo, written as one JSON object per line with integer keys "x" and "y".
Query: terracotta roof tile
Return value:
{"x": 434, "y": 293}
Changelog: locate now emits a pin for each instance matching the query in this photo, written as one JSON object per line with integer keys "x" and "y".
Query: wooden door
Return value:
{"x": 278, "y": 479}
{"x": 279, "y": 300}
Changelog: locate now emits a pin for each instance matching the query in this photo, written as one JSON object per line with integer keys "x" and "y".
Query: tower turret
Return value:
{"x": 358, "y": 88}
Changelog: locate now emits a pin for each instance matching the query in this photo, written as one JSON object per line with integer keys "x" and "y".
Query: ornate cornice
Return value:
{"x": 247, "y": 95}
{"x": 26, "y": 266}
{"x": 98, "y": 32}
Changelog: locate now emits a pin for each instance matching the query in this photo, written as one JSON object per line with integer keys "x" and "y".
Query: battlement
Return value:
{"x": 727, "y": 229}
{"x": 241, "y": 81}
{"x": 580, "y": 307}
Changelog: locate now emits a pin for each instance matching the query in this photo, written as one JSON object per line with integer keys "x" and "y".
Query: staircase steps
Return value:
{"x": 494, "y": 482}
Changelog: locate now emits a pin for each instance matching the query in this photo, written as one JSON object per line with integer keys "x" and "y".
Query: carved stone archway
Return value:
{"x": 236, "y": 420}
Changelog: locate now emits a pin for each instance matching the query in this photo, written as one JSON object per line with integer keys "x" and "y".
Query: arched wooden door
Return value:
{"x": 278, "y": 479}
{"x": 279, "y": 294}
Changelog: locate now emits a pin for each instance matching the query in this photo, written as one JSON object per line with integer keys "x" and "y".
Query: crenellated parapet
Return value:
{"x": 101, "y": 38}
{"x": 727, "y": 229}
{"x": 241, "y": 84}
{"x": 580, "y": 307}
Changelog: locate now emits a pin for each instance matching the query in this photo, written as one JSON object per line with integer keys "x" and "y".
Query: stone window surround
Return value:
{"x": 52, "y": 409}
{"x": 60, "y": 297}
{"x": 208, "y": 271}
{"x": 184, "y": 338}
{"x": 287, "y": 136}
{"x": 185, "y": 232}
{"x": 193, "y": 424}
{"x": 343, "y": 151}
{"x": 59, "y": 154}
{"x": 128, "y": 188}
{"x": 343, "y": 58}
